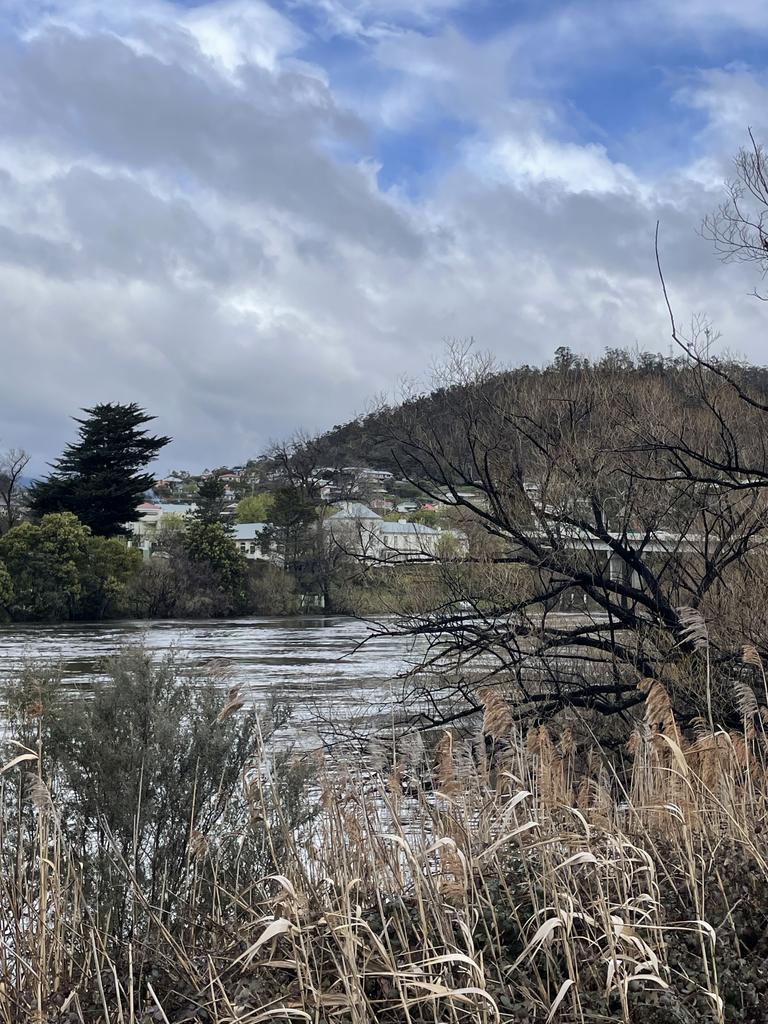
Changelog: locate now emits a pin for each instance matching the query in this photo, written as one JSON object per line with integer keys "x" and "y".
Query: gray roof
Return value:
{"x": 169, "y": 508}
{"x": 419, "y": 528}
{"x": 247, "y": 531}
{"x": 354, "y": 510}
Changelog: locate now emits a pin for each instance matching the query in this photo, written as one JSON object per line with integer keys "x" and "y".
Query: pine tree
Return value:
{"x": 211, "y": 503}
{"x": 100, "y": 477}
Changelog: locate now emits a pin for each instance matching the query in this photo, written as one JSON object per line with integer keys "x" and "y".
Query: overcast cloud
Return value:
{"x": 251, "y": 218}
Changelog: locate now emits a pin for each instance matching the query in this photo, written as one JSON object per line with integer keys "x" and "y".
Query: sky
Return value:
{"x": 254, "y": 217}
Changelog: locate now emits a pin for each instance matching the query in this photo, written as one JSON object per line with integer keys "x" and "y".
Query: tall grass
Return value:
{"x": 495, "y": 877}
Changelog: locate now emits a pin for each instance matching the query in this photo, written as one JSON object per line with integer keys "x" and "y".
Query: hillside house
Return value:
{"x": 362, "y": 532}
{"x": 248, "y": 538}
{"x": 154, "y": 515}
{"x": 381, "y": 504}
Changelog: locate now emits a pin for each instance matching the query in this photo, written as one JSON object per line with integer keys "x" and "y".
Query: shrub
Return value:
{"x": 154, "y": 758}
{"x": 541, "y": 883}
{"x": 6, "y": 592}
{"x": 271, "y": 591}
{"x": 59, "y": 570}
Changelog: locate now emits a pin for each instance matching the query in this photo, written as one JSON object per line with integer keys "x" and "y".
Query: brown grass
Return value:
{"x": 499, "y": 877}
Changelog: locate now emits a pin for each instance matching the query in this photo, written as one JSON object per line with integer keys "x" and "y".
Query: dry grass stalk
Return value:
{"x": 547, "y": 888}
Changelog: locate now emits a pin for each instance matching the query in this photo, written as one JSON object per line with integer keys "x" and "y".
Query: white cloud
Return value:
{"x": 732, "y": 98}
{"x": 234, "y": 33}
{"x": 191, "y": 217}
{"x": 530, "y": 159}
{"x": 378, "y": 18}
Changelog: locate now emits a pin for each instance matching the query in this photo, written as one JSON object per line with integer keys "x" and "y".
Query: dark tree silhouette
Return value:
{"x": 211, "y": 503}
{"x": 101, "y": 476}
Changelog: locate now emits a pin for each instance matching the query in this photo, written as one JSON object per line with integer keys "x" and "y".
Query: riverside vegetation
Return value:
{"x": 160, "y": 864}
{"x": 57, "y": 570}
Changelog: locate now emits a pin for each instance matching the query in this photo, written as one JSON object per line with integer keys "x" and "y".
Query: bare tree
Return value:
{"x": 739, "y": 226}
{"x": 603, "y": 503}
{"x": 13, "y": 462}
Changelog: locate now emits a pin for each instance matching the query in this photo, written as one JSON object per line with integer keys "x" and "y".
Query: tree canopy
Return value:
{"x": 254, "y": 508}
{"x": 57, "y": 569}
{"x": 209, "y": 546}
{"x": 101, "y": 477}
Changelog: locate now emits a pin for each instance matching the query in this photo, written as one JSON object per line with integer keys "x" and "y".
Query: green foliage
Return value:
{"x": 255, "y": 508}
{"x": 293, "y": 520}
{"x": 427, "y": 516}
{"x": 151, "y": 763}
{"x": 157, "y": 589}
{"x": 109, "y": 567}
{"x": 100, "y": 477}
{"x": 6, "y": 591}
{"x": 291, "y": 509}
{"x": 208, "y": 546}
{"x": 171, "y": 525}
{"x": 305, "y": 549}
{"x": 45, "y": 563}
{"x": 58, "y": 570}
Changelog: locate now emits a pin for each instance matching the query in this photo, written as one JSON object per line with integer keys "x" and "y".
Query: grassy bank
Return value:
{"x": 494, "y": 877}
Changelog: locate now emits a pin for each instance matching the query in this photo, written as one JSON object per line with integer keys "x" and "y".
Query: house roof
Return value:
{"x": 247, "y": 531}
{"x": 168, "y": 508}
{"x": 163, "y": 508}
{"x": 413, "y": 528}
{"x": 354, "y": 510}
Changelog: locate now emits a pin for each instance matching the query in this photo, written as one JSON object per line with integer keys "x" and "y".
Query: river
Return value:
{"x": 314, "y": 664}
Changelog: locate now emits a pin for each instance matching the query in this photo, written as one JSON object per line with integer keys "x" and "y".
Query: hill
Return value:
{"x": 375, "y": 439}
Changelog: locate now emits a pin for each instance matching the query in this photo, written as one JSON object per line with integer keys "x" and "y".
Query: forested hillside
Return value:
{"x": 370, "y": 439}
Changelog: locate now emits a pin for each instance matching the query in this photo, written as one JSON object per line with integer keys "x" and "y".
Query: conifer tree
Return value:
{"x": 211, "y": 503}
{"x": 101, "y": 477}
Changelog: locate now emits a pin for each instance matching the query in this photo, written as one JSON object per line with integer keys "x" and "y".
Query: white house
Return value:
{"x": 247, "y": 536}
{"x": 368, "y": 474}
{"x": 153, "y": 517}
{"x": 359, "y": 530}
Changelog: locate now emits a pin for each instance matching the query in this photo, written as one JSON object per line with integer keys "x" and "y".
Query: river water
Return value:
{"x": 329, "y": 671}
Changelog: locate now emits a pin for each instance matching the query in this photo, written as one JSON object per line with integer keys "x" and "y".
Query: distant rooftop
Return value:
{"x": 247, "y": 531}
{"x": 165, "y": 508}
{"x": 169, "y": 508}
{"x": 354, "y": 510}
{"x": 401, "y": 528}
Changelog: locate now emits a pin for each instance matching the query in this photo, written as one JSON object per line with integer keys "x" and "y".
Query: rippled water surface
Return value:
{"x": 327, "y": 669}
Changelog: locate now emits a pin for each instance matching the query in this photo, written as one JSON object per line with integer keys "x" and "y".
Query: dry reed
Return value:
{"x": 497, "y": 878}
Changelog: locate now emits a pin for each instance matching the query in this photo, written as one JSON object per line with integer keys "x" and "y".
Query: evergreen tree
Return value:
{"x": 58, "y": 570}
{"x": 100, "y": 476}
{"x": 211, "y": 503}
{"x": 294, "y": 534}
